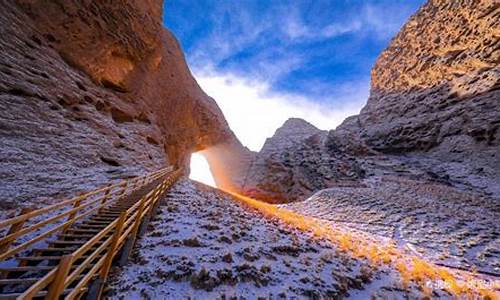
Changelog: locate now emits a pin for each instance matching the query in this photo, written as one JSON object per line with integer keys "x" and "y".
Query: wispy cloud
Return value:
{"x": 254, "y": 111}
{"x": 273, "y": 60}
{"x": 368, "y": 19}
{"x": 297, "y": 31}
{"x": 267, "y": 61}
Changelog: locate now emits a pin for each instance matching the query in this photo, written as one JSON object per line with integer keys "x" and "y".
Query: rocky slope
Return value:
{"x": 436, "y": 87}
{"x": 203, "y": 244}
{"x": 298, "y": 159}
{"x": 434, "y": 97}
{"x": 439, "y": 222}
{"x": 91, "y": 92}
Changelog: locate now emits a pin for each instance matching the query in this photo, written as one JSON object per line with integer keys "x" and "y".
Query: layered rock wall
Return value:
{"x": 98, "y": 91}
{"x": 92, "y": 92}
{"x": 433, "y": 110}
{"x": 297, "y": 160}
{"x": 438, "y": 82}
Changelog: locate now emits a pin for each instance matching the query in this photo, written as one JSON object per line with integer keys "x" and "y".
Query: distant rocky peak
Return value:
{"x": 292, "y": 132}
{"x": 296, "y": 127}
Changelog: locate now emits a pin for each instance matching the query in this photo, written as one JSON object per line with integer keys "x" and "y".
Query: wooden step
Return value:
{"x": 86, "y": 226}
{"x": 23, "y": 281}
{"x": 75, "y": 236}
{"x": 95, "y": 222}
{"x": 12, "y": 296}
{"x": 82, "y": 237}
{"x": 54, "y": 249}
{"x": 30, "y": 268}
{"x": 61, "y": 242}
{"x": 27, "y": 269}
{"x": 38, "y": 258}
{"x": 110, "y": 219}
{"x": 84, "y": 230}
{"x": 42, "y": 258}
{"x": 113, "y": 215}
{"x": 119, "y": 207}
{"x": 65, "y": 249}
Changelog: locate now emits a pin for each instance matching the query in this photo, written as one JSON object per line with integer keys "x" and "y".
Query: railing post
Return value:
{"x": 95, "y": 290}
{"x": 114, "y": 245}
{"x": 57, "y": 286}
{"x": 143, "y": 226}
{"x": 72, "y": 215}
{"x": 127, "y": 248}
{"x": 105, "y": 198}
{"x": 154, "y": 204}
{"x": 124, "y": 188}
{"x": 14, "y": 228}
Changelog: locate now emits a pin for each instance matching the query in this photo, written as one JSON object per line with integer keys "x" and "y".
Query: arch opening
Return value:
{"x": 200, "y": 170}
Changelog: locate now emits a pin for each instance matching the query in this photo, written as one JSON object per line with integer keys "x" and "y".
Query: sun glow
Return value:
{"x": 412, "y": 269}
{"x": 200, "y": 170}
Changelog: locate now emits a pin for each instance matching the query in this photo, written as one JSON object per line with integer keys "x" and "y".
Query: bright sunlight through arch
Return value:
{"x": 200, "y": 170}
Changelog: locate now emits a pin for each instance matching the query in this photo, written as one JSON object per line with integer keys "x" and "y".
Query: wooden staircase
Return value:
{"x": 74, "y": 258}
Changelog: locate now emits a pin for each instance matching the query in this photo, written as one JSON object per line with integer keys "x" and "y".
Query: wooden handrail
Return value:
{"x": 23, "y": 231}
{"x": 39, "y": 285}
{"x": 132, "y": 218}
{"x": 40, "y": 211}
{"x": 123, "y": 228}
{"x": 62, "y": 271}
{"x": 85, "y": 280}
{"x": 79, "y": 204}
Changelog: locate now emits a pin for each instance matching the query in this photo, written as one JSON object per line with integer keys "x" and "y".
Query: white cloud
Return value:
{"x": 294, "y": 28}
{"x": 254, "y": 112}
{"x": 383, "y": 24}
{"x": 336, "y": 29}
{"x": 370, "y": 19}
{"x": 297, "y": 31}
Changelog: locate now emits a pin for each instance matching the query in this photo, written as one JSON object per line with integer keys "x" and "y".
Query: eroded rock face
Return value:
{"x": 298, "y": 160}
{"x": 433, "y": 107}
{"x": 94, "y": 91}
{"x": 124, "y": 48}
{"x": 437, "y": 83}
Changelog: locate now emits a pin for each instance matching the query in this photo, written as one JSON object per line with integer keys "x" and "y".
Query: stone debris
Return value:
{"x": 269, "y": 260}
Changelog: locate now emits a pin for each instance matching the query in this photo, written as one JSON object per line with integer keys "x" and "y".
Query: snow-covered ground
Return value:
{"x": 446, "y": 225}
{"x": 205, "y": 245}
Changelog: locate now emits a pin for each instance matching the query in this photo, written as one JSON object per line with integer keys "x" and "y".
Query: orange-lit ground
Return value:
{"x": 412, "y": 269}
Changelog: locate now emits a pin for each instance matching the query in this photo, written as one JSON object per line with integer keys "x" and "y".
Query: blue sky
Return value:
{"x": 266, "y": 61}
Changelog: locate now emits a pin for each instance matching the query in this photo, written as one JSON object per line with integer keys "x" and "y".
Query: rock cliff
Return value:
{"x": 298, "y": 159}
{"x": 438, "y": 81}
{"x": 433, "y": 109}
{"x": 435, "y": 92}
{"x": 92, "y": 92}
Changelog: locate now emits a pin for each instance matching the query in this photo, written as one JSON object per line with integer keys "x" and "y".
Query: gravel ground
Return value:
{"x": 204, "y": 245}
{"x": 437, "y": 221}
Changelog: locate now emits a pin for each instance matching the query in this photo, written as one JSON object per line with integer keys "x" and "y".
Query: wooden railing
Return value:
{"x": 99, "y": 251}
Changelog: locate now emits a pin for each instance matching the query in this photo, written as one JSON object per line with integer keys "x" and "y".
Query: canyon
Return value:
{"x": 125, "y": 98}
{"x": 92, "y": 93}
{"x": 433, "y": 106}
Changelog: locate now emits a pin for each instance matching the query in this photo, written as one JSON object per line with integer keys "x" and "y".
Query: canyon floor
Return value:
{"x": 205, "y": 245}
{"x": 450, "y": 227}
